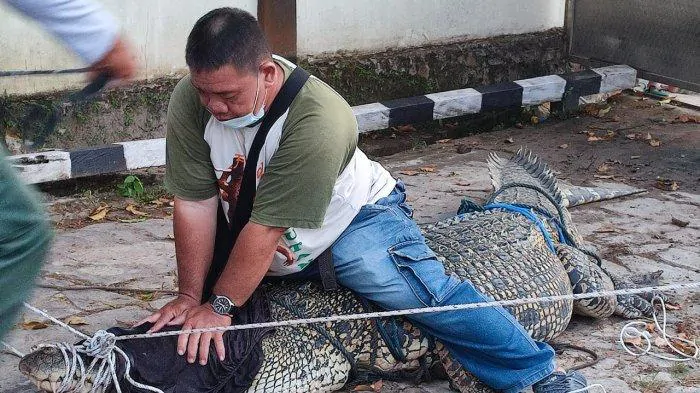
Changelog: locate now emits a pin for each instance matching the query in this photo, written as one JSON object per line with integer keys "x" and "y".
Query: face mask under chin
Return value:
{"x": 251, "y": 118}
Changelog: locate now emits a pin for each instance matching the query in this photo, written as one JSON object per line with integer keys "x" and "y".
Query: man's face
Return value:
{"x": 228, "y": 92}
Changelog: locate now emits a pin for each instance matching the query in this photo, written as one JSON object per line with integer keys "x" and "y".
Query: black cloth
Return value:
{"x": 155, "y": 362}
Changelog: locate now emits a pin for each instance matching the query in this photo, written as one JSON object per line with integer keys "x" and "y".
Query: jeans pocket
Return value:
{"x": 407, "y": 210}
{"x": 423, "y": 272}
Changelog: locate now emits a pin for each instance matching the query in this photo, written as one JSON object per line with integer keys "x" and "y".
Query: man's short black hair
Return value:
{"x": 226, "y": 36}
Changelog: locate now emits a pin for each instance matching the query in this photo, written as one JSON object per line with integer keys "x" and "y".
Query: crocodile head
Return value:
{"x": 46, "y": 367}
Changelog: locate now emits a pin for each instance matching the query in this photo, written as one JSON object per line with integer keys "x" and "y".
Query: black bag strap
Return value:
{"x": 246, "y": 195}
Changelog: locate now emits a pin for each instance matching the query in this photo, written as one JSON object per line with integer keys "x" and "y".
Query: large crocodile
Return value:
{"x": 506, "y": 253}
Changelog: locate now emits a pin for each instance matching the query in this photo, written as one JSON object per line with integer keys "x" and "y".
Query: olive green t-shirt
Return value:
{"x": 318, "y": 140}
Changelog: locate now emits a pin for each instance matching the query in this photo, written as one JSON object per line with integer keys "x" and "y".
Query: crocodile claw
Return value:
{"x": 635, "y": 305}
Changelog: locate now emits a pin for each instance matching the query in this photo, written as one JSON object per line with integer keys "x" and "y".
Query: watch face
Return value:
{"x": 221, "y": 305}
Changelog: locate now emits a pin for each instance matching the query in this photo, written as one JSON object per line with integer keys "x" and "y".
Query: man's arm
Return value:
{"x": 88, "y": 29}
{"x": 250, "y": 259}
{"x": 194, "y": 224}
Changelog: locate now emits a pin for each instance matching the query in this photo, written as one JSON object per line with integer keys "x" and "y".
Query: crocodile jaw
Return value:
{"x": 46, "y": 368}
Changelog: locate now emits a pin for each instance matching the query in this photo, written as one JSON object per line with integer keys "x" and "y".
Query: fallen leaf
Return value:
{"x": 448, "y": 140}
{"x": 427, "y": 169}
{"x": 604, "y": 176}
{"x": 680, "y": 223}
{"x": 667, "y": 184}
{"x": 665, "y": 101}
{"x": 651, "y": 327}
{"x": 374, "y": 387}
{"x": 655, "y": 142}
{"x": 604, "y": 168}
{"x": 463, "y": 184}
{"x": 607, "y": 229}
{"x": 603, "y": 111}
{"x": 635, "y": 157}
{"x": 670, "y": 306}
{"x": 647, "y": 136}
{"x": 75, "y": 321}
{"x": 132, "y": 209}
{"x": 660, "y": 342}
{"x": 686, "y": 119}
{"x": 100, "y": 212}
{"x": 681, "y": 119}
{"x": 34, "y": 325}
{"x": 633, "y": 340}
{"x": 409, "y": 172}
{"x": 563, "y": 146}
{"x": 147, "y": 297}
{"x": 594, "y": 138}
{"x": 406, "y": 128}
{"x": 509, "y": 140}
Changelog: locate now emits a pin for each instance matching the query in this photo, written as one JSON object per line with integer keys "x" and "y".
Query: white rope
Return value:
{"x": 589, "y": 388}
{"x": 101, "y": 347}
{"x": 12, "y": 350}
{"x": 412, "y": 311}
{"x": 630, "y": 331}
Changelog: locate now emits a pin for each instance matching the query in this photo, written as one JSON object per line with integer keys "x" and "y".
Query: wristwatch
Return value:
{"x": 222, "y": 305}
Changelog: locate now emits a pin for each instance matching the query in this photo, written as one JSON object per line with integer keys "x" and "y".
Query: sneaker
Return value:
{"x": 559, "y": 382}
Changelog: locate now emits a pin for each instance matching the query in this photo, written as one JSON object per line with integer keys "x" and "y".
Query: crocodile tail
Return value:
{"x": 576, "y": 195}
{"x": 524, "y": 168}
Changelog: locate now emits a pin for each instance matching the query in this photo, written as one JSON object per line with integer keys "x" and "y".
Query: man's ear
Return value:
{"x": 269, "y": 71}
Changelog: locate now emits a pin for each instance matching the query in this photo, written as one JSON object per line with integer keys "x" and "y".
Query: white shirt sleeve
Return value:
{"x": 83, "y": 25}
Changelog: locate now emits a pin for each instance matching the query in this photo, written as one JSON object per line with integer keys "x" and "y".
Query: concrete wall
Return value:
{"x": 158, "y": 29}
{"x": 371, "y": 25}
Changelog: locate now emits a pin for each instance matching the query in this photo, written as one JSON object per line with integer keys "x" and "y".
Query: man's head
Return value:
{"x": 230, "y": 63}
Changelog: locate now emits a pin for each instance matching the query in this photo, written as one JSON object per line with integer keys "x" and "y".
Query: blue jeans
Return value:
{"x": 383, "y": 256}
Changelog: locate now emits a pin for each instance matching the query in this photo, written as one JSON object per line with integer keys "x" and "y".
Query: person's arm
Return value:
{"x": 87, "y": 28}
{"x": 194, "y": 225}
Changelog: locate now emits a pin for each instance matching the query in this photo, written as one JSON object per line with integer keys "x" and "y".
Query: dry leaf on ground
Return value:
{"x": 132, "y": 209}
{"x": 34, "y": 325}
{"x": 604, "y": 168}
{"x": 75, "y": 321}
{"x": 374, "y": 387}
{"x": 444, "y": 140}
{"x": 686, "y": 119}
{"x": 99, "y": 213}
{"x": 655, "y": 142}
{"x": 409, "y": 172}
{"x": 427, "y": 169}
{"x": 660, "y": 342}
{"x": 633, "y": 341}
{"x": 563, "y": 146}
{"x": 667, "y": 184}
{"x": 406, "y": 128}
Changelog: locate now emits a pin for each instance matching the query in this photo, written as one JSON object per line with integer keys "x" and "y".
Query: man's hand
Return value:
{"x": 119, "y": 62}
{"x": 173, "y": 313}
{"x": 202, "y": 317}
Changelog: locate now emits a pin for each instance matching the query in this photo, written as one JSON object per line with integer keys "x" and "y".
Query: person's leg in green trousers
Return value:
{"x": 25, "y": 235}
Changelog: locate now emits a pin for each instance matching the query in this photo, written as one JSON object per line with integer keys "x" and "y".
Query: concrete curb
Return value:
{"x": 566, "y": 88}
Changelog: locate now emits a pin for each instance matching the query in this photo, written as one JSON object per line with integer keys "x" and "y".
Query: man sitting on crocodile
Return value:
{"x": 312, "y": 206}
{"x": 317, "y": 191}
